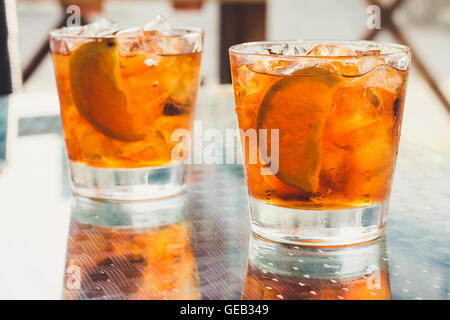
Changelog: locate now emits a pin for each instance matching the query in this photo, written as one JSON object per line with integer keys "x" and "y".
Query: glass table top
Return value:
{"x": 199, "y": 245}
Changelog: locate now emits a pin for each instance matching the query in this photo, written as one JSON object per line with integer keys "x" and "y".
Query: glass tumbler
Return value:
{"x": 123, "y": 94}
{"x": 320, "y": 126}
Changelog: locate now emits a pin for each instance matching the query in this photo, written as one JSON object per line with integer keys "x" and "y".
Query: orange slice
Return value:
{"x": 298, "y": 106}
{"x": 95, "y": 78}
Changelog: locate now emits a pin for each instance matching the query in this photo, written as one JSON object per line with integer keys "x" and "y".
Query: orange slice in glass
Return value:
{"x": 95, "y": 79}
{"x": 298, "y": 106}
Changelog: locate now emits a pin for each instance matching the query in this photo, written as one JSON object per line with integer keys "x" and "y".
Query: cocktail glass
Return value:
{"x": 320, "y": 126}
{"x": 123, "y": 93}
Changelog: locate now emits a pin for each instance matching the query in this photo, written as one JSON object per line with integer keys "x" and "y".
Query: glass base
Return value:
{"x": 130, "y": 214}
{"x": 127, "y": 184}
{"x": 318, "y": 227}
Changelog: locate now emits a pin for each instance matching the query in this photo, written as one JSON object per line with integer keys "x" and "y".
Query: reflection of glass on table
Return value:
{"x": 278, "y": 272}
{"x": 118, "y": 251}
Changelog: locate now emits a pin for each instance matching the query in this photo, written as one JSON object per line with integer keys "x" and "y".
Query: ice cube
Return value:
{"x": 159, "y": 26}
{"x": 100, "y": 28}
{"x": 152, "y": 61}
{"x": 160, "y": 38}
{"x": 130, "y": 41}
{"x": 399, "y": 61}
{"x": 286, "y": 49}
{"x": 291, "y": 67}
{"x": 358, "y": 62}
{"x": 67, "y": 39}
{"x": 372, "y": 52}
{"x": 369, "y": 63}
{"x": 74, "y": 31}
{"x": 156, "y": 35}
{"x": 193, "y": 42}
{"x": 385, "y": 77}
{"x": 331, "y": 50}
{"x": 60, "y": 46}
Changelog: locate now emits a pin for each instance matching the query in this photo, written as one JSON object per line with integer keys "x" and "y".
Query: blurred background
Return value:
{"x": 424, "y": 25}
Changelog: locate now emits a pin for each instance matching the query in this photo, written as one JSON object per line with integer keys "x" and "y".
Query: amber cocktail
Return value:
{"x": 123, "y": 93}
{"x": 335, "y": 108}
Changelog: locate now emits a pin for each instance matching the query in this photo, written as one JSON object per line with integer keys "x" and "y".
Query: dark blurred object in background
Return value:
{"x": 9, "y": 49}
{"x": 9, "y": 68}
{"x": 239, "y": 22}
{"x": 187, "y": 4}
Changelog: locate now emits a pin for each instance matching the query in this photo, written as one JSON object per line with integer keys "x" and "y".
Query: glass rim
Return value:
{"x": 395, "y": 48}
{"x": 60, "y": 33}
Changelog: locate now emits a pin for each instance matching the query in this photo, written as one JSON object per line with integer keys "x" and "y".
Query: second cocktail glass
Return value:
{"x": 320, "y": 125}
{"x": 123, "y": 93}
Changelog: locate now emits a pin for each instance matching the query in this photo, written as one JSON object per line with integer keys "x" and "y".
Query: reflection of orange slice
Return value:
{"x": 95, "y": 77}
{"x": 298, "y": 107}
